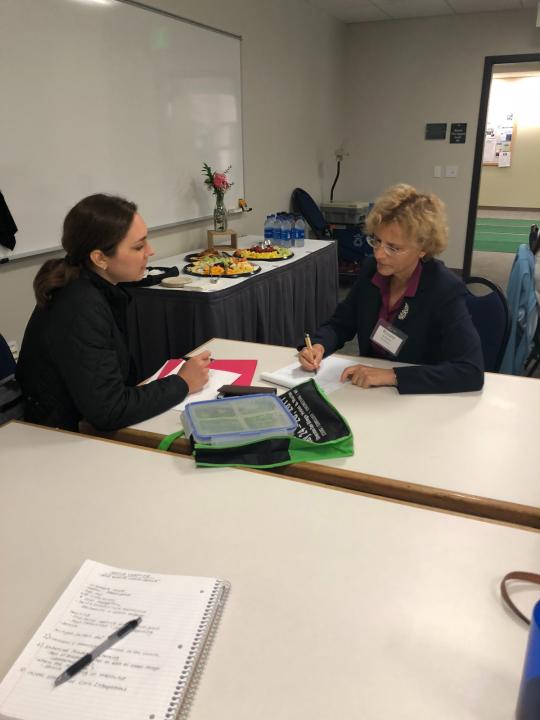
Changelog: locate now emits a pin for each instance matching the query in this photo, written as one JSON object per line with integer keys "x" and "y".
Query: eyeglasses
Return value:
{"x": 390, "y": 250}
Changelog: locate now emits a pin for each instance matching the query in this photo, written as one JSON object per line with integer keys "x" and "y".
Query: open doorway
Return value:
{"x": 505, "y": 200}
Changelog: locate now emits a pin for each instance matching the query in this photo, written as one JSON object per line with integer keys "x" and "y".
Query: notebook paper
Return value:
{"x": 244, "y": 368}
{"x": 216, "y": 378}
{"x": 142, "y": 675}
{"x": 327, "y": 376}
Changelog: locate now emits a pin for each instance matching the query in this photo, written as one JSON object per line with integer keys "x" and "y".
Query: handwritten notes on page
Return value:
{"x": 142, "y": 674}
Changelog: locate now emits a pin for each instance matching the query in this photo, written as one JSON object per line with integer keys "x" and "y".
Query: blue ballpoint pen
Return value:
{"x": 89, "y": 657}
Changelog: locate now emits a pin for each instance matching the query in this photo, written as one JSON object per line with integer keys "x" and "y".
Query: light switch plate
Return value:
{"x": 451, "y": 171}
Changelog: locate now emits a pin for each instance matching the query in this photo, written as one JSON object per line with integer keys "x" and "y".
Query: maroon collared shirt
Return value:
{"x": 386, "y": 312}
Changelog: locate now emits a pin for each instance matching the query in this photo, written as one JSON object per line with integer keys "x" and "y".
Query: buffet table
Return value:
{"x": 275, "y": 306}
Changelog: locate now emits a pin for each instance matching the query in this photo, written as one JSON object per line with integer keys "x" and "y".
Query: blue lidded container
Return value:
{"x": 528, "y": 707}
{"x": 237, "y": 420}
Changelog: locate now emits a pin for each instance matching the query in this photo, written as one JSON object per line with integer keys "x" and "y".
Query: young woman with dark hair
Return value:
{"x": 74, "y": 361}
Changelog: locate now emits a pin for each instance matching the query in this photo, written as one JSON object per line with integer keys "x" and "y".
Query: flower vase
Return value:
{"x": 220, "y": 215}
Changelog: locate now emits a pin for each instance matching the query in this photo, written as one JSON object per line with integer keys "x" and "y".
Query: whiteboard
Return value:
{"x": 110, "y": 96}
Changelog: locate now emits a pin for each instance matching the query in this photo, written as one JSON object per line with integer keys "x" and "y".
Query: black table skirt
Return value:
{"x": 275, "y": 308}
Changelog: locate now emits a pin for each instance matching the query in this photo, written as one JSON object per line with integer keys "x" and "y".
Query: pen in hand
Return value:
{"x": 309, "y": 346}
{"x": 89, "y": 657}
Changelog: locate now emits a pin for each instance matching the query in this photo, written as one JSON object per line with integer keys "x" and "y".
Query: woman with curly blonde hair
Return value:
{"x": 405, "y": 305}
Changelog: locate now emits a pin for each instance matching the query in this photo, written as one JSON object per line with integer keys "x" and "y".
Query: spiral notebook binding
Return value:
{"x": 189, "y": 678}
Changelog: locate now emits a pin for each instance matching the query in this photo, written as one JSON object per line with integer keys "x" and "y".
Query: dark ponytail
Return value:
{"x": 98, "y": 222}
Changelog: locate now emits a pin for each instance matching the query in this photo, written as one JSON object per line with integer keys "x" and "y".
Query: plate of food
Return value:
{"x": 210, "y": 252}
{"x": 214, "y": 267}
{"x": 268, "y": 253}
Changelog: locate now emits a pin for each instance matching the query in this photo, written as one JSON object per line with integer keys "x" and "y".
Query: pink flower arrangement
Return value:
{"x": 217, "y": 182}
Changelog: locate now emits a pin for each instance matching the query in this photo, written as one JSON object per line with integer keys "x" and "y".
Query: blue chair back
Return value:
{"x": 491, "y": 318}
{"x": 303, "y": 204}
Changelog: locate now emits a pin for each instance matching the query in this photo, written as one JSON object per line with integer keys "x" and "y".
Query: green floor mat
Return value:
{"x": 501, "y": 235}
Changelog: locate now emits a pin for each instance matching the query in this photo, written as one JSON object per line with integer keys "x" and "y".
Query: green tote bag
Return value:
{"x": 322, "y": 433}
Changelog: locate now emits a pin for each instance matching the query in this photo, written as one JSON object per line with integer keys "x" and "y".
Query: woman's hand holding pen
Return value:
{"x": 311, "y": 359}
{"x": 195, "y": 371}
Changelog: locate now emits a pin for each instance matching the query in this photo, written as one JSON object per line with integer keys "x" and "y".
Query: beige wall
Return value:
{"x": 402, "y": 74}
{"x": 293, "y": 62}
{"x": 518, "y": 185}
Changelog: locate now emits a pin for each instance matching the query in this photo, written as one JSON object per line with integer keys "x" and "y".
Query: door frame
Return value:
{"x": 489, "y": 62}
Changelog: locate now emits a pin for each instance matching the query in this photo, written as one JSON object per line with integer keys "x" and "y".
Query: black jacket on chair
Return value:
{"x": 74, "y": 362}
{"x": 441, "y": 337}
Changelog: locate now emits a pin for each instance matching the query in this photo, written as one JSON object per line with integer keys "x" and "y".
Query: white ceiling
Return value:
{"x": 351, "y": 11}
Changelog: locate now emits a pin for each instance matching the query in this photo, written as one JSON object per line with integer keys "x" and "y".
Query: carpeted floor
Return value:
{"x": 493, "y": 234}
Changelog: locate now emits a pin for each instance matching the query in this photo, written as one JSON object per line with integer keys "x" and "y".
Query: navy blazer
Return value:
{"x": 441, "y": 337}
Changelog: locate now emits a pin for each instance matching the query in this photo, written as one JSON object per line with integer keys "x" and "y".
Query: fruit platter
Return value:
{"x": 221, "y": 266}
{"x": 267, "y": 252}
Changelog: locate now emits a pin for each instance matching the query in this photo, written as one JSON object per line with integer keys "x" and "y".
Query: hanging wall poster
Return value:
{"x": 498, "y": 139}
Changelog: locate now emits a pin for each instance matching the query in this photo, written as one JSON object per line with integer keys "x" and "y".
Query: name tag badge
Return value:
{"x": 388, "y": 337}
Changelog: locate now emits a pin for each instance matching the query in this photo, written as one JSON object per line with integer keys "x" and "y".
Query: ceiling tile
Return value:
{"x": 413, "y": 8}
{"x": 474, "y": 6}
{"x": 351, "y": 10}
{"x": 368, "y": 10}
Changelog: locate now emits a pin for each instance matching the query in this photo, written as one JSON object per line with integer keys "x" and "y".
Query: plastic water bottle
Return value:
{"x": 286, "y": 231}
{"x": 269, "y": 228}
{"x": 277, "y": 230}
{"x": 299, "y": 232}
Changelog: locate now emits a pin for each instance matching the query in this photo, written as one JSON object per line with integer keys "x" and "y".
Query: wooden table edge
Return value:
{"x": 426, "y": 495}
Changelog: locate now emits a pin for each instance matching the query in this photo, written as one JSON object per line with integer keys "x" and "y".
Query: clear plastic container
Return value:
{"x": 237, "y": 420}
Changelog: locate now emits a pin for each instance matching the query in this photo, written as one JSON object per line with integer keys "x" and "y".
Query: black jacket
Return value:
{"x": 74, "y": 362}
{"x": 441, "y": 337}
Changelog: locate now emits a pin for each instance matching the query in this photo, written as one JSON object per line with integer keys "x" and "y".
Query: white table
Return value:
{"x": 209, "y": 285}
{"x": 274, "y": 306}
{"x": 471, "y": 452}
{"x": 342, "y": 606}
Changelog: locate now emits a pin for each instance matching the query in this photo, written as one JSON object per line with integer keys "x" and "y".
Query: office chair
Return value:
{"x": 491, "y": 317}
{"x": 11, "y": 399}
{"x": 303, "y": 204}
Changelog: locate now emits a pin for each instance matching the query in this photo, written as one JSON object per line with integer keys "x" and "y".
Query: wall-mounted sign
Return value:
{"x": 458, "y": 133}
{"x": 436, "y": 131}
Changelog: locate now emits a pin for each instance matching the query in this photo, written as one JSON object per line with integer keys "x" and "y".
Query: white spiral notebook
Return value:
{"x": 149, "y": 674}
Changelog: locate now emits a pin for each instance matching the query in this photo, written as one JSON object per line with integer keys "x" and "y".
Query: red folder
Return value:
{"x": 245, "y": 368}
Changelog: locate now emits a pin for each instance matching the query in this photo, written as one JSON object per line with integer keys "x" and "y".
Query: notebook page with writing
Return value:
{"x": 327, "y": 376}
{"x": 145, "y": 675}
